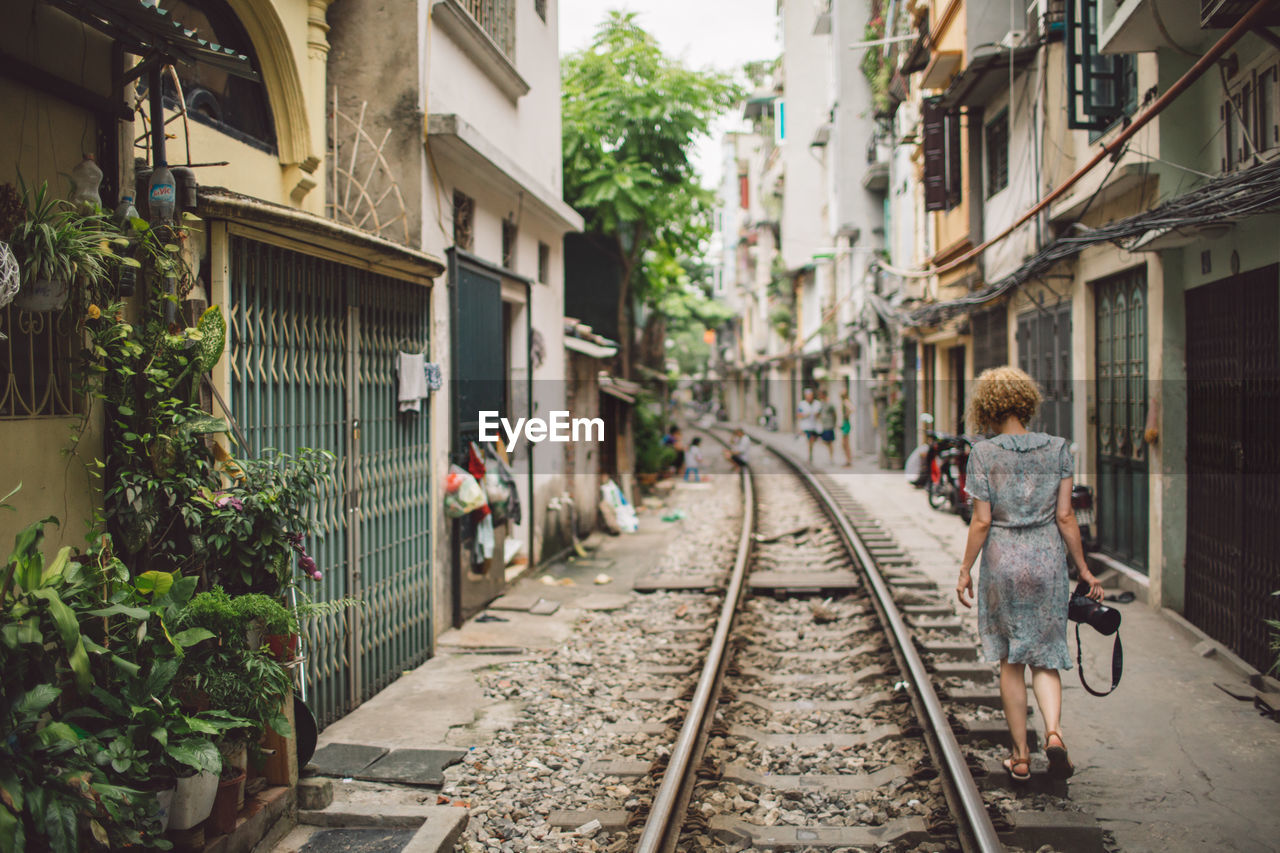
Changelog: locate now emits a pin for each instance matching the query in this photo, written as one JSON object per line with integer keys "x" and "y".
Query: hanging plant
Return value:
{"x": 54, "y": 245}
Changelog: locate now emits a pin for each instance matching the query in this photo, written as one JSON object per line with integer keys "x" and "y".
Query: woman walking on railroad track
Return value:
{"x": 1025, "y": 528}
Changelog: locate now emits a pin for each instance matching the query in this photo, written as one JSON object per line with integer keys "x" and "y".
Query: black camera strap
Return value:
{"x": 1117, "y": 664}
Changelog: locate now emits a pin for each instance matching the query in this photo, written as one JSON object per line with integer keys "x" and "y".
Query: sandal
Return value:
{"x": 1060, "y": 766}
{"x": 1013, "y": 762}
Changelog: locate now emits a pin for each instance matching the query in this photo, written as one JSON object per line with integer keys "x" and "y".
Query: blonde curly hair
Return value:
{"x": 1002, "y": 392}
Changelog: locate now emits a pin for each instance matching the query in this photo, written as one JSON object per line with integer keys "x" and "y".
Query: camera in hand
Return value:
{"x": 1103, "y": 619}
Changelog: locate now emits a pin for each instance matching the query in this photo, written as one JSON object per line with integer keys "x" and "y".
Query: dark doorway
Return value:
{"x": 480, "y": 349}
{"x": 1233, "y": 467}
{"x": 1121, "y": 373}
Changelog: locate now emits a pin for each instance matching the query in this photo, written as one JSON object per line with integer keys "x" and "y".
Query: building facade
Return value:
{"x": 1137, "y": 291}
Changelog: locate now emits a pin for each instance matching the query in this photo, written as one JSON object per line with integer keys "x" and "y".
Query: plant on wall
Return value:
{"x": 894, "y": 426}
{"x": 54, "y": 245}
{"x": 876, "y": 66}
{"x": 174, "y": 498}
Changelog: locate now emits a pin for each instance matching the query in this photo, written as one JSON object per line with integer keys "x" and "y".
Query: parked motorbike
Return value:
{"x": 944, "y": 468}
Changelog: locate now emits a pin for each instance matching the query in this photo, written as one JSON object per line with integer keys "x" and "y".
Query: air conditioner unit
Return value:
{"x": 1013, "y": 38}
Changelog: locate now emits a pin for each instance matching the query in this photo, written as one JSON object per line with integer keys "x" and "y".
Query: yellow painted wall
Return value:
{"x": 44, "y": 138}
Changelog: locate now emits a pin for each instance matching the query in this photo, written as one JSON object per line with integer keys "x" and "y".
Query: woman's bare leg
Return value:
{"x": 1048, "y": 689}
{"x": 1013, "y": 693}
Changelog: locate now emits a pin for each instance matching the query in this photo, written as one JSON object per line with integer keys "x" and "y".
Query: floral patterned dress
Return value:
{"x": 1023, "y": 587}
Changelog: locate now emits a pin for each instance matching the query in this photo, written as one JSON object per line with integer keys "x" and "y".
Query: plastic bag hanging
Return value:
{"x": 462, "y": 493}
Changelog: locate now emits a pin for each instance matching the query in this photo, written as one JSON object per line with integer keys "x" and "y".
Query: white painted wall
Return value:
{"x": 805, "y": 73}
{"x": 1003, "y": 208}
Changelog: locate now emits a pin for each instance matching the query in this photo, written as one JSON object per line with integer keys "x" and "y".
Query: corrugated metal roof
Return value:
{"x": 142, "y": 27}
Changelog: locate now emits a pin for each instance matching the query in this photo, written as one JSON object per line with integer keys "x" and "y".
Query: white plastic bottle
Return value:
{"x": 86, "y": 178}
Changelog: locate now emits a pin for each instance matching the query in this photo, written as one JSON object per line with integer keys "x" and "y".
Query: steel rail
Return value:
{"x": 671, "y": 801}
{"x": 977, "y": 833}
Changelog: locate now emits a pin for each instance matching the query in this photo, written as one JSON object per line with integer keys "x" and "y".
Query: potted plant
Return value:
{"x": 229, "y": 798}
{"x": 268, "y": 622}
{"x": 54, "y": 245}
{"x": 894, "y": 435}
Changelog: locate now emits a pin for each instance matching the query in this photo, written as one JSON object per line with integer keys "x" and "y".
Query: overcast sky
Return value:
{"x": 722, "y": 34}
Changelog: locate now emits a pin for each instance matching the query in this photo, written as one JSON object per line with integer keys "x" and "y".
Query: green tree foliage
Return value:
{"x": 631, "y": 116}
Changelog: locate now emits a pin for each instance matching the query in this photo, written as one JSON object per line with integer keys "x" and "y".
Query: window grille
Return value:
{"x": 37, "y": 356}
{"x": 990, "y": 329}
{"x": 997, "y": 145}
{"x": 464, "y": 211}
{"x": 498, "y": 19}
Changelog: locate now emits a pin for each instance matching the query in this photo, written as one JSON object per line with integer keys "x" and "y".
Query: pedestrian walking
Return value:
{"x": 737, "y": 452}
{"x": 693, "y": 460}
{"x": 808, "y": 411}
{"x": 846, "y": 426}
{"x": 675, "y": 440}
{"x": 827, "y": 422}
{"x": 1025, "y": 528}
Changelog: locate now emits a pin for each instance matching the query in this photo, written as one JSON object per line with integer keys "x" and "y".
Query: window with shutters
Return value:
{"x": 942, "y": 156}
{"x": 1250, "y": 115}
{"x": 1101, "y": 88}
{"x": 996, "y": 143}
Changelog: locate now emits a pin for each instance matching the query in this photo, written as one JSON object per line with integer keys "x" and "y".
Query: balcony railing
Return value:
{"x": 498, "y": 19}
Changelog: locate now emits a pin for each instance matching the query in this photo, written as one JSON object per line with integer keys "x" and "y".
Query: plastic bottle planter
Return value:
{"x": 193, "y": 800}
{"x": 46, "y": 294}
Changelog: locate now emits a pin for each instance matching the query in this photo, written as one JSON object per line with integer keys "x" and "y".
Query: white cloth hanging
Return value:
{"x": 413, "y": 381}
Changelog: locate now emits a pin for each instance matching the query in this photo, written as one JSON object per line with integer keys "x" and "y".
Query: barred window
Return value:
{"x": 37, "y": 355}
{"x": 498, "y": 19}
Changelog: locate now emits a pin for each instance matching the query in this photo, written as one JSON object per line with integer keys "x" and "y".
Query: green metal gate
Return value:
{"x": 1121, "y": 366}
{"x": 313, "y": 364}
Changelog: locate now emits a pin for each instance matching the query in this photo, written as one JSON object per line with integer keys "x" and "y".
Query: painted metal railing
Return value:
{"x": 498, "y": 19}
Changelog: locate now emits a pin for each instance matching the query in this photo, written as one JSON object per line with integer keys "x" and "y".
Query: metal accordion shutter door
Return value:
{"x": 395, "y": 486}
{"x": 287, "y": 323}
{"x": 313, "y": 364}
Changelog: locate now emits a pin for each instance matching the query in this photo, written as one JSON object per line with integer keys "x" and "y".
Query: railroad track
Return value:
{"x": 840, "y": 705}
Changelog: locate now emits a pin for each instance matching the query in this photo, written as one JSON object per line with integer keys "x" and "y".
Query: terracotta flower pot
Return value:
{"x": 225, "y": 810}
{"x": 647, "y": 479}
{"x": 282, "y": 647}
